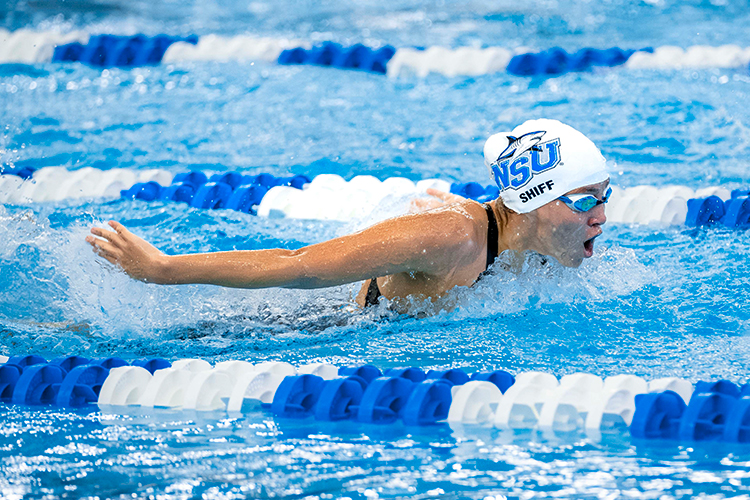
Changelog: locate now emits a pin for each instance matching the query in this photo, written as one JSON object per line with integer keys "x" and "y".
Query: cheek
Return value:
{"x": 568, "y": 233}
{"x": 561, "y": 229}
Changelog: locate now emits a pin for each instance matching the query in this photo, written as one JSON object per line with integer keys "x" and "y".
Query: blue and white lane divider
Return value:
{"x": 331, "y": 197}
{"x": 665, "y": 408}
{"x": 27, "y": 185}
{"x": 26, "y": 46}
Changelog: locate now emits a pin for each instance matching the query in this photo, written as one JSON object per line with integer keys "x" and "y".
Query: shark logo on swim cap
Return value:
{"x": 540, "y": 161}
{"x": 519, "y": 145}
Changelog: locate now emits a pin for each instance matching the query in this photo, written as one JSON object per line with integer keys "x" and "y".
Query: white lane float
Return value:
{"x": 254, "y": 388}
{"x": 695, "y": 57}
{"x": 463, "y": 61}
{"x": 191, "y": 365}
{"x": 236, "y": 48}
{"x": 566, "y": 409}
{"x": 235, "y": 368}
{"x": 166, "y": 388}
{"x": 520, "y": 405}
{"x": 475, "y": 402}
{"x": 208, "y": 391}
{"x": 124, "y": 386}
{"x": 322, "y": 370}
{"x": 30, "y": 47}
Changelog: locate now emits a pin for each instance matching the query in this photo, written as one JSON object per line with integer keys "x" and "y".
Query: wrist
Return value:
{"x": 164, "y": 270}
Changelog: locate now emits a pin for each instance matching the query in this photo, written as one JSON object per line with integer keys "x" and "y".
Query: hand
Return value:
{"x": 439, "y": 198}
{"x": 138, "y": 258}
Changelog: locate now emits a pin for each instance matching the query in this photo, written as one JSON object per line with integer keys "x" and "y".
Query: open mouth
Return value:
{"x": 588, "y": 247}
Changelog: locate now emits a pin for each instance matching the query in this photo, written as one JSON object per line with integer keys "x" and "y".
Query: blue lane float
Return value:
{"x": 413, "y": 374}
{"x": 368, "y": 373}
{"x": 711, "y": 211}
{"x": 81, "y": 385}
{"x": 243, "y": 193}
{"x": 70, "y": 381}
{"x": 152, "y": 364}
{"x": 429, "y": 402}
{"x": 110, "y": 51}
{"x": 557, "y": 61}
{"x": 363, "y": 394}
{"x": 23, "y": 172}
{"x": 9, "y": 375}
{"x": 340, "y": 398}
{"x": 297, "y": 396}
{"x": 334, "y": 55}
{"x": 500, "y": 378}
{"x": 454, "y": 377}
{"x": 717, "y": 411}
{"x": 475, "y": 191}
{"x": 408, "y": 394}
{"x": 38, "y": 384}
{"x": 384, "y": 400}
{"x": 231, "y": 190}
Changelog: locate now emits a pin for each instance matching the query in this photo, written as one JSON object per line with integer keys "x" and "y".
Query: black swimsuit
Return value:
{"x": 373, "y": 292}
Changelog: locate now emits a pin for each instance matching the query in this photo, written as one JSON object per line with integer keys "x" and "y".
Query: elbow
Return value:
{"x": 308, "y": 272}
{"x": 298, "y": 271}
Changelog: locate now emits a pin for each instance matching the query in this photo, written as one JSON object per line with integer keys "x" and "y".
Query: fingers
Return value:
{"x": 424, "y": 204}
{"x": 102, "y": 246}
{"x": 109, "y": 244}
{"x": 103, "y": 249}
{"x": 442, "y": 195}
{"x": 118, "y": 237}
{"x": 107, "y": 235}
{"x": 106, "y": 256}
{"x": 121, "y": 230}
{"x": 446, "y": 197}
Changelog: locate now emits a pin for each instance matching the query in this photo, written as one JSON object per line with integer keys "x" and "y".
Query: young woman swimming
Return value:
{"x": 553, "y": 183}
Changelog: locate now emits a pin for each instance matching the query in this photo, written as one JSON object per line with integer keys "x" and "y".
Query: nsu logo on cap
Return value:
{"x": 524, "y": 157}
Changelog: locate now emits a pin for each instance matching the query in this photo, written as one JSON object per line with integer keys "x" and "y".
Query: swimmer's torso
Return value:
{"x": 467, "y": 269}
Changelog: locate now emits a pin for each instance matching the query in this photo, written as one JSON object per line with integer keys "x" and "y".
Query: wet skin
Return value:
{"x": 554, "y": 230}
{"x": 423, "y": 254}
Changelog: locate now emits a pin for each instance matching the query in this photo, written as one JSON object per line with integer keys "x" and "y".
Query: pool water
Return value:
{"x": 654, "y": 301}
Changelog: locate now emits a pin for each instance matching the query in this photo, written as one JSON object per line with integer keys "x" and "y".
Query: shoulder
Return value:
{"x": 455, "y": 226}
{"x": 450, "y": 228}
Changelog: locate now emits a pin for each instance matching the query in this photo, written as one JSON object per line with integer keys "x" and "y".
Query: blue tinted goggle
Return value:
{"x": 584, "y": 202}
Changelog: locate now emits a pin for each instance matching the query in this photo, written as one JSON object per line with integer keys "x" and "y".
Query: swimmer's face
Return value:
{"x": 567, "y": 235}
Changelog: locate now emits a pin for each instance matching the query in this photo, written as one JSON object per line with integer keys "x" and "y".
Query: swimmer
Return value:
{"x": 553, "y": 184}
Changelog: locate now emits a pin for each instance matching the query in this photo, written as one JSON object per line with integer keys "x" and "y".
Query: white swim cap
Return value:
{"x": 540, "y": 161}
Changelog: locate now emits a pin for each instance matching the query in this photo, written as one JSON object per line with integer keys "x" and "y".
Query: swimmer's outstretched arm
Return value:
{"x": 434, "y": 243}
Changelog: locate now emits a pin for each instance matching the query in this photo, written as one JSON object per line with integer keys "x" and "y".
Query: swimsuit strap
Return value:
{"x": 373, "y": 293}
{"x": 493, "y": 234}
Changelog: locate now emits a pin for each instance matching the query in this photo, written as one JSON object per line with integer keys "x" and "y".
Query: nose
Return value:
{"x": 597, "y": 217}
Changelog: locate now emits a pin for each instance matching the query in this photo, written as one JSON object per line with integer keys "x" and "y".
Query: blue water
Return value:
{"x": 654, "y": 301}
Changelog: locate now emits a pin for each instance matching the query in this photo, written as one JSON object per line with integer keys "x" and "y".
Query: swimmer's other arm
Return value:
{"x": 434, "y": 243}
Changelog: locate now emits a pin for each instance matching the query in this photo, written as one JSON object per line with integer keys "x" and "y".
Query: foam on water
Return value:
{"x": 612, "y": 272}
